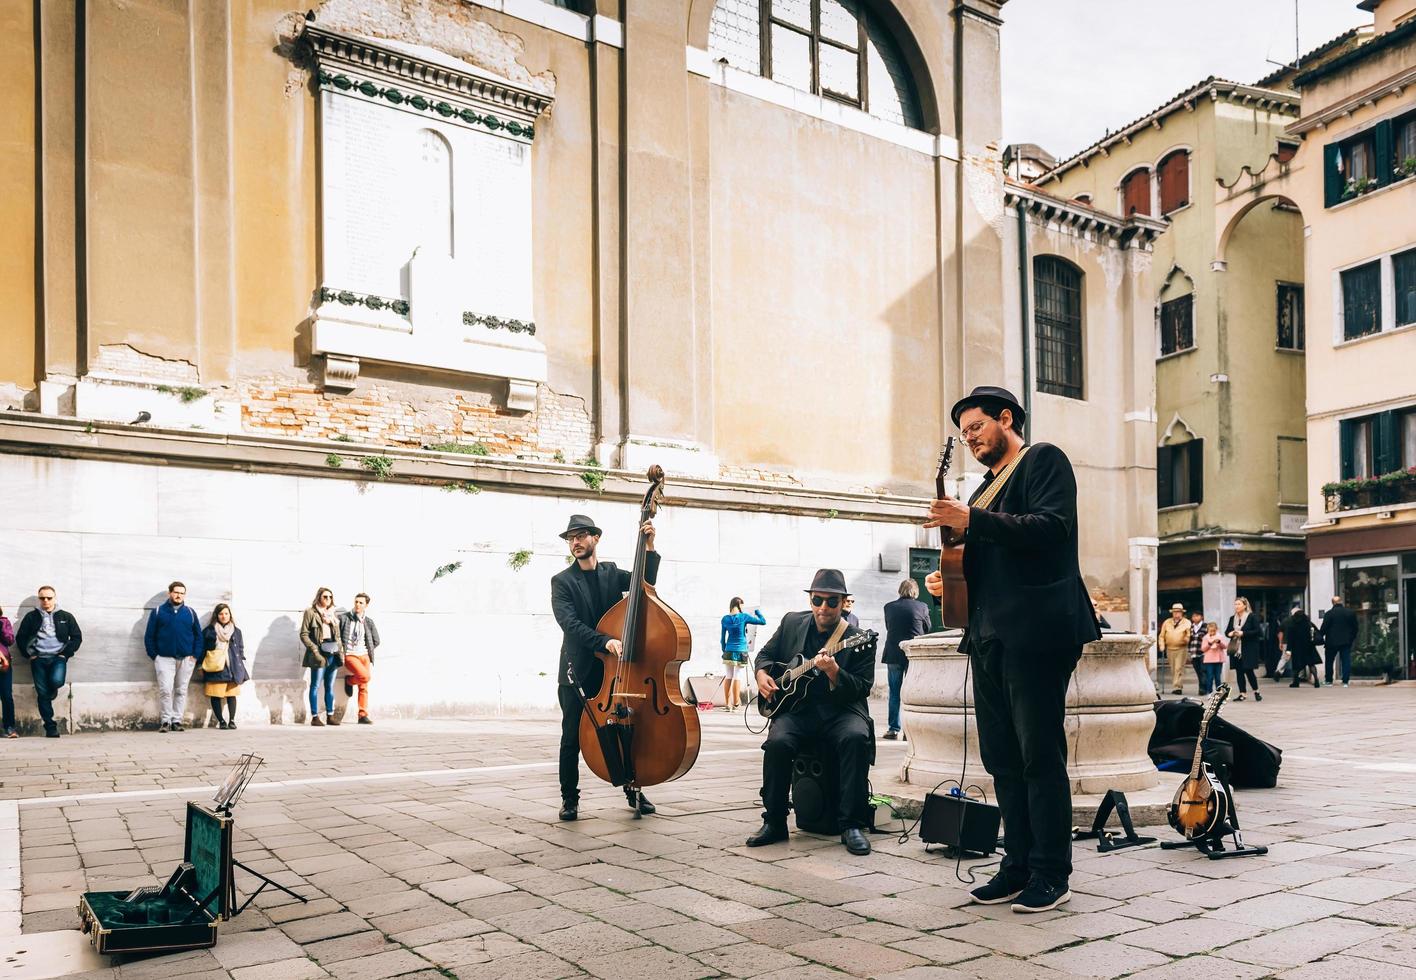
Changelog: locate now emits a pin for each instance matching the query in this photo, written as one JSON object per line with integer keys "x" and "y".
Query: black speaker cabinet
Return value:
{"x": 816, "y": 794}
{"x": 966, "y": 825}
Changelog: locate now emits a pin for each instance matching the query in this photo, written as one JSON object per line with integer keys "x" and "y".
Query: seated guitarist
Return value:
{"x": 833, "y": 717}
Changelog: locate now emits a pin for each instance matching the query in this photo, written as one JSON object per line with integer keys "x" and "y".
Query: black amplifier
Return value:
{"x": 967, "y": 825}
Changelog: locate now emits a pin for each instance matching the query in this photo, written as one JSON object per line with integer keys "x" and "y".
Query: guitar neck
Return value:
{"x": 1200, "y": 747}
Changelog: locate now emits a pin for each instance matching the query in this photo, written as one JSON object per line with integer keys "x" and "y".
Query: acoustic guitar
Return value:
{"x": 1201, "y": 803}
{"x": 954, "y": 601}
{"x": 797, "y": 678}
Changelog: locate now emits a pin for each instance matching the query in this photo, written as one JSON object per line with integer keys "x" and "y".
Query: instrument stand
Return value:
{"x": 1108, "y": 840}
{"x": 1212, "y": 844}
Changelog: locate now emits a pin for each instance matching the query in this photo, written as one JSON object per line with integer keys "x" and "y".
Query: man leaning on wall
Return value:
{"x": 174, "y": 642}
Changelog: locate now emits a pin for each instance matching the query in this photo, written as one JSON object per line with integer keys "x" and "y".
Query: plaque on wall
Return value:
{"x": 425, "y": 210}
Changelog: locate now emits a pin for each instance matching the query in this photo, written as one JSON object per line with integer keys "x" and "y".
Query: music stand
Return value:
{"x": 228, "y": 794}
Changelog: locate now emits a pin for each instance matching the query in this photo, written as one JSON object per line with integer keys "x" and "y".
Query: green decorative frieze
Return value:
{"x": 345, "y": 297}
{"x": 499, "y": 323}
{"x": 447, "y": 110}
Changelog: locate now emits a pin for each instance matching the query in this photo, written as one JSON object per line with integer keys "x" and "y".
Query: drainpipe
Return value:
{"x": 1023, "y": 306}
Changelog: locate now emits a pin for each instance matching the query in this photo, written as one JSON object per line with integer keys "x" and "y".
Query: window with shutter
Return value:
{"x": 1362, "y": 301}
{"x": 1333, "y": 180}
{"x": 1136, "y": 193}
{"x": 1174, "y": 175}
{"x": 1355, "y": 436}
{"x": 1180, "y": 474}
{"x": 1057, "y": 303}
{"x": 1290, "y": 316}
{"x": 1403, "y": 270}
{"x": 1177, "y": 324}
{"x": 1404, "y": 148}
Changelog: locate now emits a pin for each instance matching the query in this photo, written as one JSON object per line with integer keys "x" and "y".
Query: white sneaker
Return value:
{"x": 1344, "y": 683}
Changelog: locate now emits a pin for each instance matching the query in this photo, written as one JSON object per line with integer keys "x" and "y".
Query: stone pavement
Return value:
{"x": 432, "y": 850}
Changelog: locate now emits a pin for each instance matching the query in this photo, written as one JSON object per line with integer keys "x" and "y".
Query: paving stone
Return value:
{"x": 536, "y": 965}
{"x": 1190, "y": 936}
{"x": 1390, "y": 913}
{"x": 1102, "y": 958}
{"x": 457, "y": 928}
{"x": 1012, "y": 937}
{"x": 1208, "y": 967}
{"x": 348, "y": 947}
{"x": 254, "y": 948}
{"x": 855, "y": 957}
{"x": 1358, "y": 891}
{"x": 1305, "y": 943}
{"x": 878, "y": 932}
{"x": 469, "y": 950}
{"x": 1277, "y": 911}
{"x": 691, "y": 937}
{"x": 579, "y": 942}
{"x": 697, "y": 905}
{"x": 298, "y": 968}
{"x": 531, "y": 921}
{"x": 816, "y": 915}
{"x": 646, "y": 961}
{"x": 1349, "y": 968}
{"x": 939, "y": 949}
{"x": 777, "y": 933}
{"x": 391, "y": 964}
{"x": 902, "y": 912}
{"x": 456, "y": 890}
{"x": 748, "y": 959}
{"x": 324, "y": 927}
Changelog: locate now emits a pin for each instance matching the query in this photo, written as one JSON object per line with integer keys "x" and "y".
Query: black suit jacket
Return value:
{"x": 577, "y": 613}
{"x": 1020, "y": 558}
{"x": 1339, "y": 627}
{"x": 857, "y": 673}
{"x": 66, "y": 631}
{"x": 904, "y": 620}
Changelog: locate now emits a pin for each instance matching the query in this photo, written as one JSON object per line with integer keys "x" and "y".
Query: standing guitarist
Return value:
{"x": 833, "y": 717}
{"x": 1029, "y": 615}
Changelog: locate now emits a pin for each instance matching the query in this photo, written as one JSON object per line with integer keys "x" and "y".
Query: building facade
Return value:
{"x": 1357, "y": 190}
{"x": 1227, "y": 338}
{"x": 374, "y": 297}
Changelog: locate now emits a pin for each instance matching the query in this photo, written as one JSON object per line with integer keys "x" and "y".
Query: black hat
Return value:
{"x": 988, "y": 393}
{"x": 579, "y": 522}
{"x": 829, "y": 580}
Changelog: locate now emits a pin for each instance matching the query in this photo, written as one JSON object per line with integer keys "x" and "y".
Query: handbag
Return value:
{"x": 214, "y": 662}
{"x": 329, "y": 649}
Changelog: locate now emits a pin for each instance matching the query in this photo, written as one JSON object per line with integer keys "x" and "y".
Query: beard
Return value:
{"x": 991, "y": 452}
{"x": 585, "y": 553}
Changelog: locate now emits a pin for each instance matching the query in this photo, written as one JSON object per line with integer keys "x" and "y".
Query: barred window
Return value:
{"x": 1290, "y": 316}
{"x": 1177, "y": 324}
{"x": 1057, "y": 300}
{"x": 832, "y": 48}
{"x": 1362, "y": 301}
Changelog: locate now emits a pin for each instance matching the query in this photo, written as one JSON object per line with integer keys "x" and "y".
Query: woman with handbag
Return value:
{"x": 324, "y": 653}
{"x": 1245, "y": 646}
{"x": 7, "y": 675}
{"x": 224, "y": 663}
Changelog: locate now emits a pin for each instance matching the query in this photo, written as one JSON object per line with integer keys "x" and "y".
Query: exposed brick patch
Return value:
{"x": 754, "y": 474}
{"x": 377, "y": 416}
{"x": 1111, "y": 602}
{"x": 125, "y": 361}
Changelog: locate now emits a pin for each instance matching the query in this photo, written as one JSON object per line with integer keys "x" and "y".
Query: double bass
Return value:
{"x": 637, "y": 730}
{"x": 954, "y": 601}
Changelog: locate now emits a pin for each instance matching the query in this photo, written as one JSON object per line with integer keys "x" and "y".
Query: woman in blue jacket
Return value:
{"x": 734, "y": 643}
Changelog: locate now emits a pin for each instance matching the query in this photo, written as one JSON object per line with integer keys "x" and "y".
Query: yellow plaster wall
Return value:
{"x": 17, "y": 197}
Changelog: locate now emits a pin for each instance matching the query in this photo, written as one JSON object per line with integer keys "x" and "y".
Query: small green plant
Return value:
{"x": 594, "y": 474}
{"x": 1406, "y": 167}
{"x": 447, "y": 569}
{"x": 558, "y": 456}
{"x": 334, "y": 461}
{"x": 187, "y": 393}
{"x": 518, "y": 560}
{"x": 832, "y": 514}
{"x": 569, "y": 559}
{"x": 90, "y": 427}
{"x": 464, "y": 486}
{"x": 380, "y": 467}
{"x": 465, "y": 448}
{"x": 344, "y": 437}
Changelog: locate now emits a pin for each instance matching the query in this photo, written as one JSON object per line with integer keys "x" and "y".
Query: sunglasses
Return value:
{"x": 831, "y": 601}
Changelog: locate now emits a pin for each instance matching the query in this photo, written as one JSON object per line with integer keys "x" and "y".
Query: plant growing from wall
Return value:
{"x": 465, "y": 448}
{"x": 447, "y": 569}
{"x": 185, "y": 393}
{"x": 462, "y": 486}
{"x": 832, "y": 514}
{"x": 518, "y": 560}
{"x": 379, "y": 467}
{"x": 594, "y": 474}
{"x": 344, "y": 437}
{"x": 334, "y": 461}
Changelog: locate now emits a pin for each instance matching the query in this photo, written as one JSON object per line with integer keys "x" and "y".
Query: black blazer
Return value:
{"x": 1339, "y": 627}
{"x": 1020, "y": 558}
{"x": 66, "y": 631}
{"x": 575, "y": 612}
{"x": 904, "y": 620}
{"x": 857, "y": 674}
{"x": 1251, "y": 641}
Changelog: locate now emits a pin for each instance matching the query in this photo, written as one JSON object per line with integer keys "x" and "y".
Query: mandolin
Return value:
{"x": 954, "y": 601}
{"x": 1201, "y": 803}
{"x": 795, "y": 679}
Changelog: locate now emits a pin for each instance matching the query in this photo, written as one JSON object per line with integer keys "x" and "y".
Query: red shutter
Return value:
{"x": 1136, "y": 194}
{"x": 1174, "y": 181}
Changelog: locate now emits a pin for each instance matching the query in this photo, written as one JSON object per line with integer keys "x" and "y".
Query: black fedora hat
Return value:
{"x": 830, "y": 581}
{"x": 579, "y": 522}
{"x": 984, "y": 394}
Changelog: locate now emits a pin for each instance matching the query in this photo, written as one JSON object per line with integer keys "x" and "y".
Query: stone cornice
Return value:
{"x": 1396, "y": 85}
{"x": 1082, "y": 219}
{"x": 456, "y": 92}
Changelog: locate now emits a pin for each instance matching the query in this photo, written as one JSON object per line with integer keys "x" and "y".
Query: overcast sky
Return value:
{"x": 1073, "y": 69}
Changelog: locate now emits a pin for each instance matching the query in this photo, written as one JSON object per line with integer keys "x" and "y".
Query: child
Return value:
{"x": 1214, "y": 647}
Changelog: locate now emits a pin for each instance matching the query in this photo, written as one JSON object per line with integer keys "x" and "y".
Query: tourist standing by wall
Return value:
{"x": 1245, "y": 645}
{"x": 1339, "y": 630}
{"x": 224, "y": 664}
{"x": 7, "y": 675}
{"x": 905, "y": 618}
{"x": 733, "y": 640}
{"x": 361, "y": 639}
{"x": 324, "y": 652}
{"x": 174, "y": 641}
{"x": 50, "y": 637}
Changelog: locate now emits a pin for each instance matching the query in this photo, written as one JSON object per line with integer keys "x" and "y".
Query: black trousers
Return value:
{"x": 839, "y": 733}
{"x": 1246, "y": 673}
{"x": 1020, "y": 702}
{"x": 570, "y": 742}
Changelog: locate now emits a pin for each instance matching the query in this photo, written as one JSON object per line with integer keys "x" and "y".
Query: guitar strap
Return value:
{"x": 833, "y": 644}
{"x": 996, "y": 487}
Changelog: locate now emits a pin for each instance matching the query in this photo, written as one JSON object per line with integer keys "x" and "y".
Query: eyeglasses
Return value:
{"x": 832, "y": 601}
{"x": 976, "y": 428}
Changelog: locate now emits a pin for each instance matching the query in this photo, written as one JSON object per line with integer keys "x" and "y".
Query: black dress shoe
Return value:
{"x": 645, "y": 807}
{"x": 769, "y": 833}
{"x": 855, "y": 840}
{"x": 570, "y": 809}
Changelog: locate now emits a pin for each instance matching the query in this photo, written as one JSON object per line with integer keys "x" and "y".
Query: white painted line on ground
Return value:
{"x": 324, "y": 781}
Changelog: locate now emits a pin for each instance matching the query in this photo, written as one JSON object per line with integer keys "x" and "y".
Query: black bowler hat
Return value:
{"x": 830, "y": 581}
{"x": 579, "y": 522}
{"x": 988, "y": 393}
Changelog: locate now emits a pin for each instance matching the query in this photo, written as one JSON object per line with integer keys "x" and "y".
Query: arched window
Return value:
{"x": 1174, "y": 173}
{"x": 433, "y": 193}
{"x": 1057, "y": 318}
{"x": 831, "y": 48}
{"x": 1136, "y": 193}
{"x": 1083, "y": 199}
